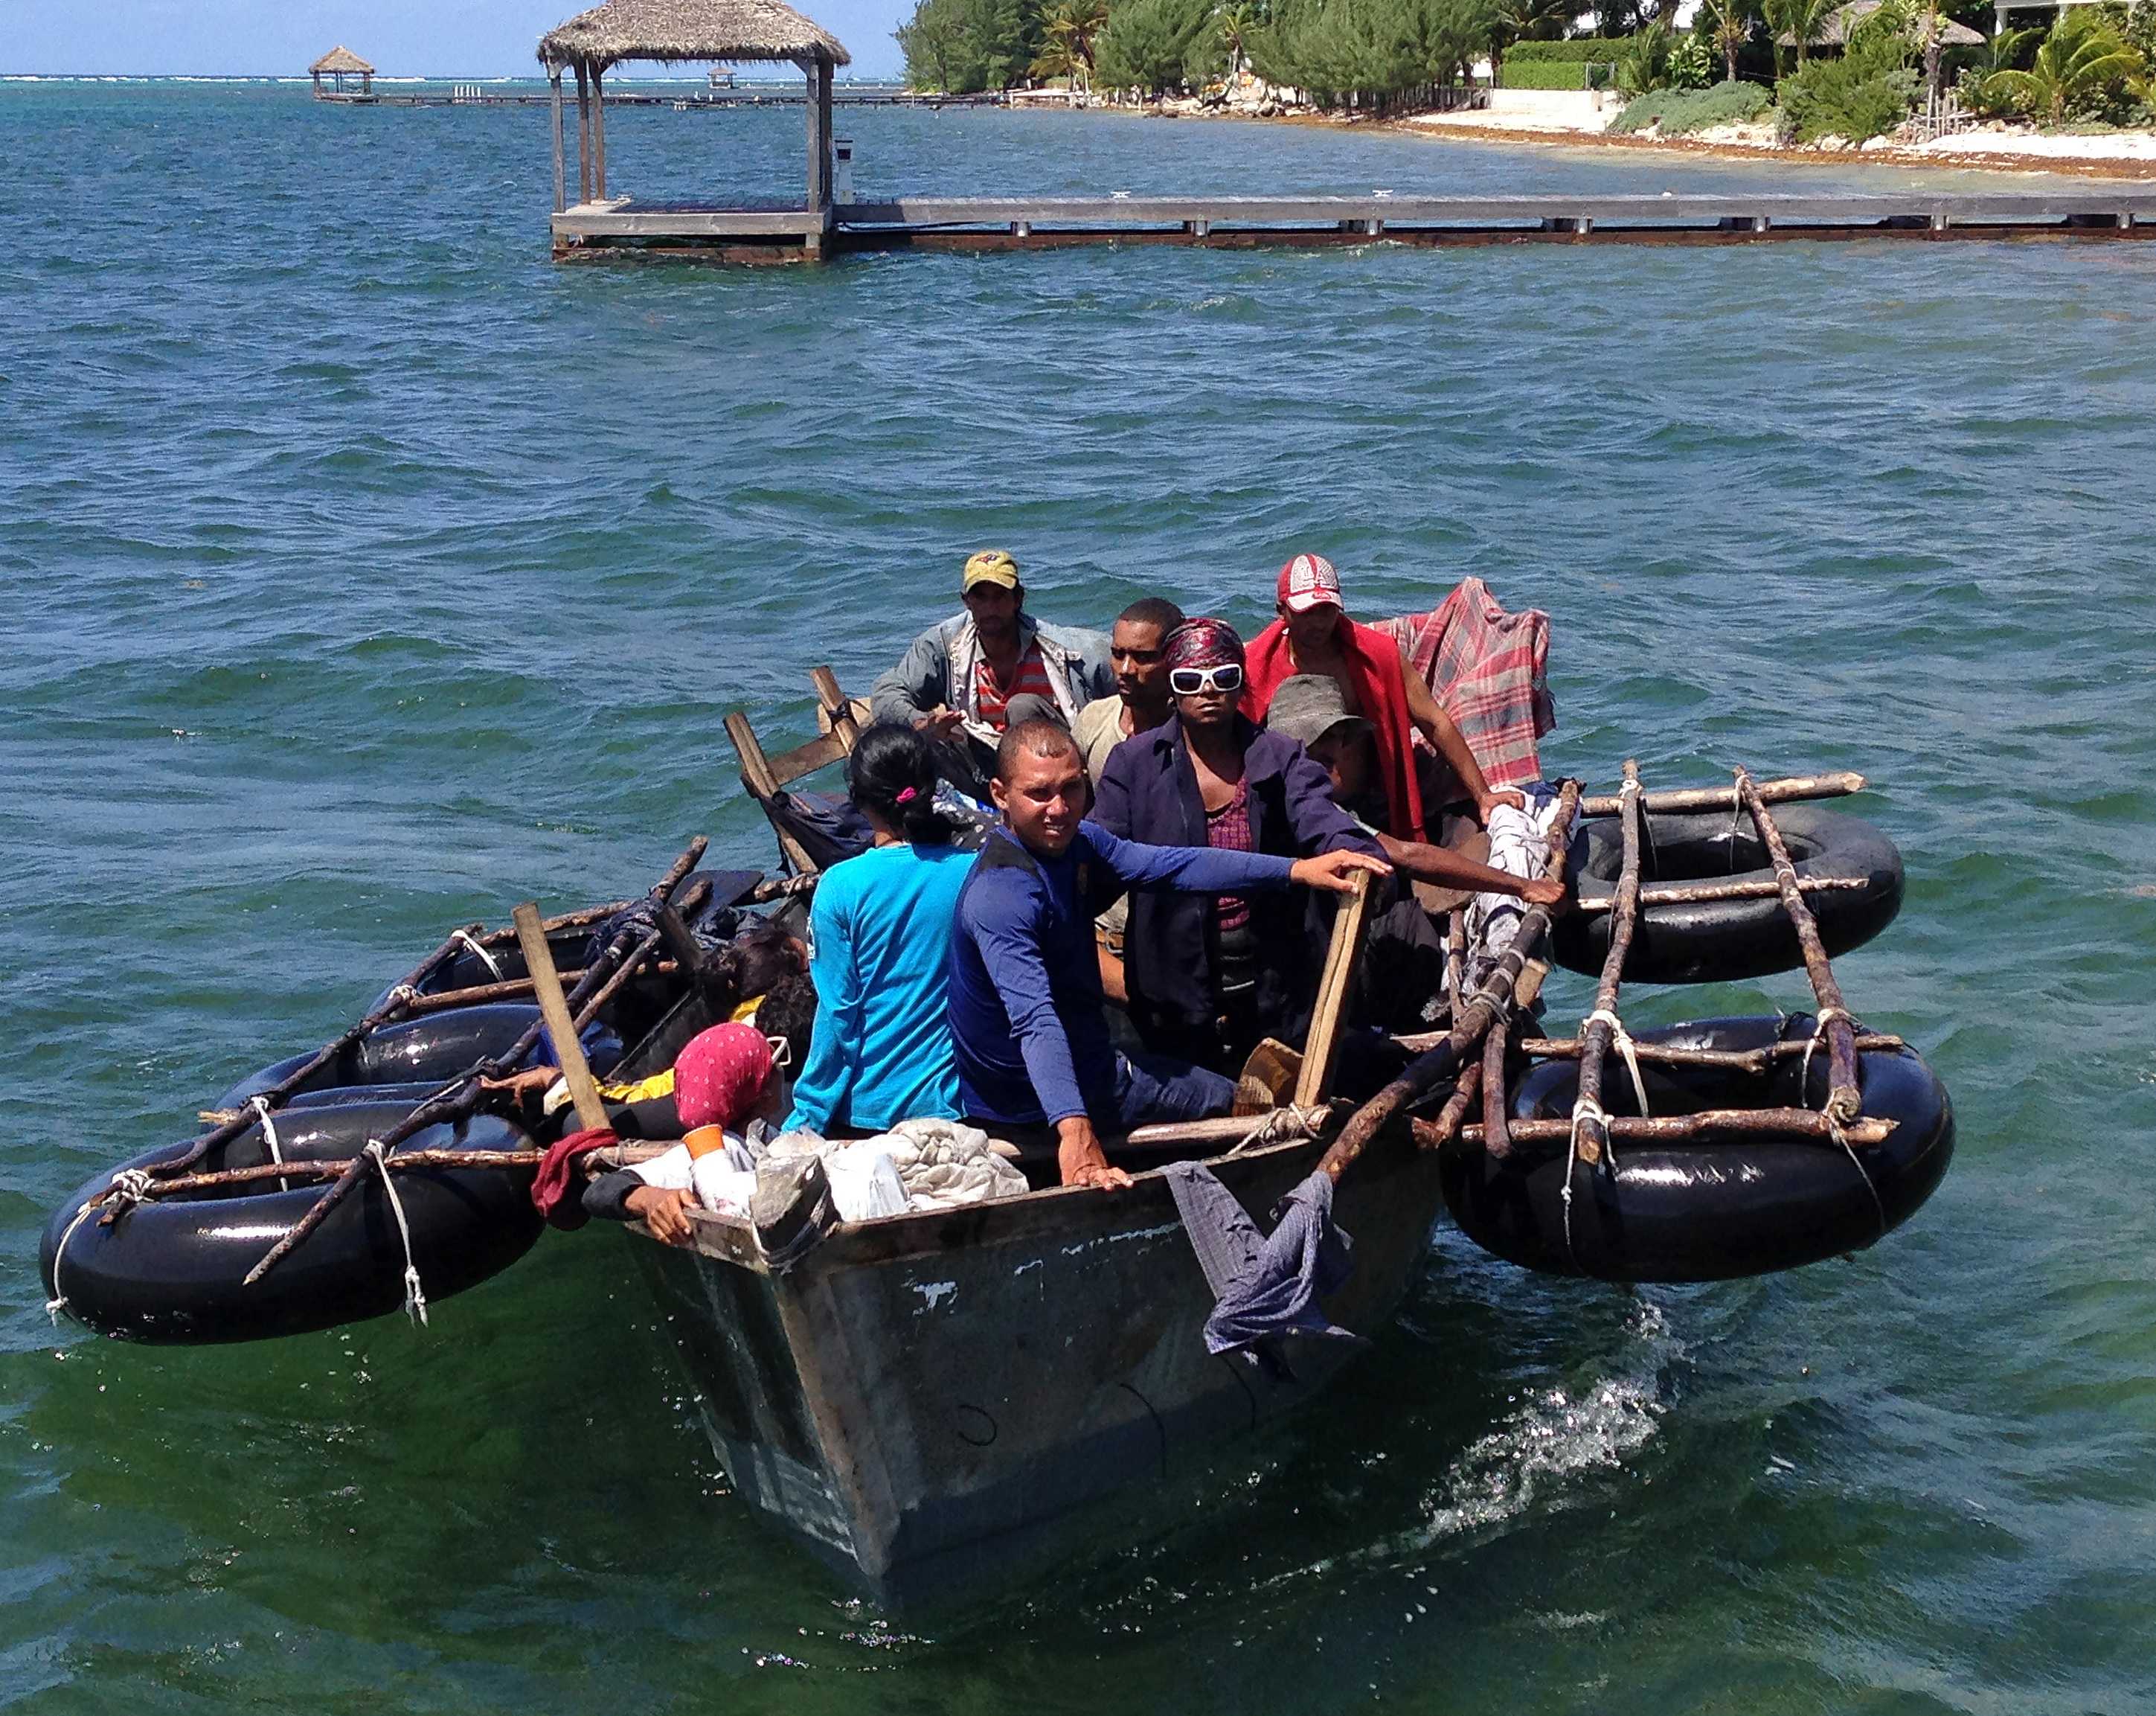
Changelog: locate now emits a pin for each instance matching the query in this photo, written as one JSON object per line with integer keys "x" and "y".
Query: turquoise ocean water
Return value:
{"x": 361, "y": 572}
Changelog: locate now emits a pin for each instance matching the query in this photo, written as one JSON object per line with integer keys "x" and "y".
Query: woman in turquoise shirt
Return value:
{"x": 880, "y": 937}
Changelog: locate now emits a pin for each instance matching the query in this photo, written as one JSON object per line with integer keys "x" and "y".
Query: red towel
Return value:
{"x": 1380, "y": 694}
{"x": 1489, "y": 672}
{"x": 554, "y": 1187}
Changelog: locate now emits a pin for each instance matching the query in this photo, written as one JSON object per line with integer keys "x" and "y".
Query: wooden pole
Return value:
{"x": 399, "y": 1000}
{"x": 598, "y": 131}
{"x": 1759, "y": 1059}
{"x": 583, "y": 132}
{"x": 568, "y": 1051}
{"x": 1688, "y": 893}
{"x": 1491, "y": 1001}
{"x": 1283, "y": 1123}
{"x": 1774, "y": 792}
{"x": 1313, "y": 1084}
{"x": 677, "y": 873}
{"x": 1623, "y": 917}
{"x": 1708, "y": 1123}
{"x": 1494, "y": 1092}
{"x": 1845, "y": 1100}
{"x": 561, "y": 168}
{"x": 457, "y": 1097}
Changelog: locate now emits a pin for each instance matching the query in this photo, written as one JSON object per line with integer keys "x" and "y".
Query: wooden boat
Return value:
{"x": 927, "y": 1401}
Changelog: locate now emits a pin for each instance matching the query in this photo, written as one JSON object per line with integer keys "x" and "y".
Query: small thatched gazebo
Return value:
{"x": 1834, "y": 28}
{"x": 337, "y": 64}
{"x": 671, "y": 32}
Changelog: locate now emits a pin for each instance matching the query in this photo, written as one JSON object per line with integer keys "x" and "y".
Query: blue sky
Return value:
{"x": 407, "y": 38}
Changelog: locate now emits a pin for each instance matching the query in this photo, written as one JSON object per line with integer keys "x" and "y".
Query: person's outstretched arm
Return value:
{"x": 1451, "y": 744}
{"x": 1208, "y": 870}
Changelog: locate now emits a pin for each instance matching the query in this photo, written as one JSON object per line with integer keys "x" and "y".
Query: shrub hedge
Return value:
{"x": 1684, "y": 111}
{"x": 1542, "y": 74}
{"x": 1575, "y": 52}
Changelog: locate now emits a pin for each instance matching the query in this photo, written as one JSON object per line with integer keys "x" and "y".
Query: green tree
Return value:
{"x": 2078, "y": 63}
{"x": 961, "y": 46}
{"x": 1068, "y": 31}
{"x": 1152, "y": 44}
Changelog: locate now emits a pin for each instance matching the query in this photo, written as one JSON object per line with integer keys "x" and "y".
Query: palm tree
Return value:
{"x": 2072, "y": 65}
{"x": 1800, "y": 20}
{"x": 1728, "y": 29}
{"x": 1068, "y": 31}
{"x": 1237, "y": 21}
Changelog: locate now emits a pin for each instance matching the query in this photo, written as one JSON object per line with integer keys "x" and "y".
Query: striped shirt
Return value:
{"x": 992, "y": 698}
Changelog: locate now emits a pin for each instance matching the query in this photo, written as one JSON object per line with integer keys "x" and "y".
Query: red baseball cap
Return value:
{"x": 1306, "y": 582}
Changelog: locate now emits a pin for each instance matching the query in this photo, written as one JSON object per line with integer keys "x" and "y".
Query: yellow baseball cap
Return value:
{"x": 991, "y": 565}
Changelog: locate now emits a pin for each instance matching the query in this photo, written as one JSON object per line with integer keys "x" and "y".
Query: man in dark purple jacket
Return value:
{"x": 1206, "y": 984}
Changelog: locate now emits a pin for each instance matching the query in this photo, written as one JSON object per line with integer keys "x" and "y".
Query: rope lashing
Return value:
{"x": 415, "y": 1295}
{"x": 1586, "y": 1112}
{"x": 129, "y": 1186}
{"x": 1827, "y": 1016}
{"x": 1620, "y": 1039}
{"x": 260, "y": 1104}
{"x": 479, "y": 947}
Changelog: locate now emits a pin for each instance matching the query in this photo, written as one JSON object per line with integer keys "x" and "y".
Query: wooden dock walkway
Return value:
{"x": 624, "y": 229}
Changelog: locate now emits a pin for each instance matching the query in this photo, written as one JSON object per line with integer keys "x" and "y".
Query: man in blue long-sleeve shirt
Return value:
{"x": 1025, "y": 981}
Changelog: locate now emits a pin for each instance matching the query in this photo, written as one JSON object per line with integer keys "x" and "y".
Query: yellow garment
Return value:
{"x": 745, "y": 1013}
{"x": 660, "y": 1084}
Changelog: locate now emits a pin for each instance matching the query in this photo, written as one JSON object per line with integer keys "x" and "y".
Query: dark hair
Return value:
{"x": 788, "y": 1010}
{"x": 1155, "y": 611}
{"x": 892, "y": 772}
{"x": 1034, "y": 738}
{"x": 767, "y": 953}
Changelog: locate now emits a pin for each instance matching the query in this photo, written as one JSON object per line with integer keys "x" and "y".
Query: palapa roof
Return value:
{"x": 1834, "y": 28}
{"x": 340, "y": 59}
{"x": 668, "y": 30}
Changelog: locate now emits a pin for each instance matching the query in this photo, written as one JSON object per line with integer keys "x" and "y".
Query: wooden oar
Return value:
{"x": 554, "y": 1009}
{"x": 1314, "y": 1083}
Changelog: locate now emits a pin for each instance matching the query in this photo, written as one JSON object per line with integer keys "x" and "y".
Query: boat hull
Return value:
{"x": 935, "y": 1402}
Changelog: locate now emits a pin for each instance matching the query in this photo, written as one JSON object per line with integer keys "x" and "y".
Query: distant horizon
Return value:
{"x": 256, "y": 40}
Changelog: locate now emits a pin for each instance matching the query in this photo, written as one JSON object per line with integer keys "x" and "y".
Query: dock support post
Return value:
{"x": 1198, "y": 229}
{"x": 819, "y": 74}
{"x": 584, "y": 133}
{"x": 2126, "y": 221}
{"x": 1939, "y": 223}
{"x": 1021, "y": 229}
{"x": 598, "y": 131}
{"x": 560, "y": 166}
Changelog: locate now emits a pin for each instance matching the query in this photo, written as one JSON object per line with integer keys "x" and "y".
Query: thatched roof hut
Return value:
{"x": 1834, "y": 27}
{"x": 338, "y": 64}
{"x": 670, "y": 31}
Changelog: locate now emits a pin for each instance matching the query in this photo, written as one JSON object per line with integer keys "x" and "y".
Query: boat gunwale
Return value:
{"x": 923, "y": 1233}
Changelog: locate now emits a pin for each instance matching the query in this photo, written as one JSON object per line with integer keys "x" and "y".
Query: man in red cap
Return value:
{"x": 1314, "y": 635}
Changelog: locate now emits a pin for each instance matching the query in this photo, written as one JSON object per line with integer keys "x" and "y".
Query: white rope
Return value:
{"x": 1620, "y": 1039}
{"x": 1834, "y": 1132}
{"x": 479, "y": 947}
{"x": 130, "y": 1187}
{"x": 1278, "y": 1123}
{"x": 415, "y": 1295}
{"x": 261, "y": 1107}
{"x": 1584, "y": 1112}
{"x": 1827, "y": 1016}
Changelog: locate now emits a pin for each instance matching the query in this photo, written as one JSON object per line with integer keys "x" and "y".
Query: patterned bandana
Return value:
{"x": 1203, "y": 643}
{"x": 721, "y": 1077}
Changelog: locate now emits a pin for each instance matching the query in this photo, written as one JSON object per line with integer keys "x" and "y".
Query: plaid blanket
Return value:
{"x": 1489, "y": 670}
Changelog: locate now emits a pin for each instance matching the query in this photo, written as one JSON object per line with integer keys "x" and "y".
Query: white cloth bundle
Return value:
{"x": 717, "y": 1183}
{"x": 918, "y": 1164}
{"x": 1519, "y": 846}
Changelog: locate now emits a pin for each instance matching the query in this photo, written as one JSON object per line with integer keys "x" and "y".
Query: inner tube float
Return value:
{"x": 1715, "y": 1208}
{"x": 170, "y": 1269}
{"x": 430, "y": 1050}
{"x": 1721, "y": 941}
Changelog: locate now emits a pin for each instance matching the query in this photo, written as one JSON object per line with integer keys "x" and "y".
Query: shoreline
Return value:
{"x": 2005, "y": 158}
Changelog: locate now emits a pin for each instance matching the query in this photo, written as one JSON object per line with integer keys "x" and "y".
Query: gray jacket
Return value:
{"x": 938, "y": 670}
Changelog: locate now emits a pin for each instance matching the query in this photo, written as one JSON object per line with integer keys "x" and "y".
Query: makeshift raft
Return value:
{"x": 934, "y": 1400}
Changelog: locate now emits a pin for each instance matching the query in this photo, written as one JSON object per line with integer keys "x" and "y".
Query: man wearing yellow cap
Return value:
{"x": 981, "y": 672}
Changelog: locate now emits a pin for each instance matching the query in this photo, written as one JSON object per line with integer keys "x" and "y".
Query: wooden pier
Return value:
{"x": 622, "y": 228}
